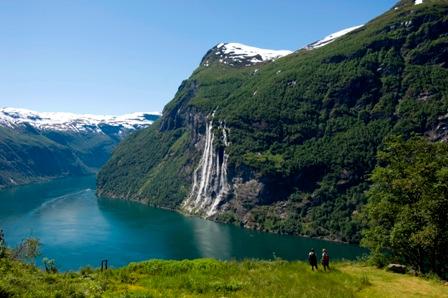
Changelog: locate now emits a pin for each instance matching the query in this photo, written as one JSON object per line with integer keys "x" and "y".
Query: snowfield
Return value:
{"x": 239, "y": 54}
{"x": 13, "y": 117}
{"x": 330, "y": 38}
{"x": 255, "y": 55}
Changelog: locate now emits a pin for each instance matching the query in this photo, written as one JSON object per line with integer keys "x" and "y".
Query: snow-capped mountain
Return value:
{"x": 237, "y": 54}
{"x": 36, "y": 146}
{"x": 13, "y": 117}
{"x": 330, "y": 38}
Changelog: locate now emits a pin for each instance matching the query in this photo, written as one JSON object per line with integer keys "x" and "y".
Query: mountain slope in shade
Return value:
{"x": 37, "y": 146}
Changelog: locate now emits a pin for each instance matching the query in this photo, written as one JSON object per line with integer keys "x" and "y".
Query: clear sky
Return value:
{"x": 120, "y": 56}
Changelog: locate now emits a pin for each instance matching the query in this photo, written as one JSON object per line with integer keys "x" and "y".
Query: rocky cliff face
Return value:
{"x": 286, "y": 143}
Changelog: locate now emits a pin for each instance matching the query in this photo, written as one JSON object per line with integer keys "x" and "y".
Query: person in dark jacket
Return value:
{"x": 2, "y": 244}
{"x": 312, "y": 258}
{"x": 325, "y": 259}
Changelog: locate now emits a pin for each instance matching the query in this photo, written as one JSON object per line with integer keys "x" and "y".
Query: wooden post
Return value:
{"x": 103, "y": 265}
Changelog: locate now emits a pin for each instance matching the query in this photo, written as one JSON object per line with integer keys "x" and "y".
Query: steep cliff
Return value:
{"x": 286, "y": 143}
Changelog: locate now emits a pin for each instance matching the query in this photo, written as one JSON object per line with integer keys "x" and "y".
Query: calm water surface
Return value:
{"x": 77, "y": 229}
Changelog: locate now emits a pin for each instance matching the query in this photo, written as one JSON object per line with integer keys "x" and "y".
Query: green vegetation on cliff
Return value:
{"x": 408, "y": 200}
{"x": 211, "y": 278}
{"x": 29, "y": 157}
{"x": 306, "y": 127}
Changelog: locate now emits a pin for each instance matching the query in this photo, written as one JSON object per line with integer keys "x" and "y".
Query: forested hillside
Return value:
{"x": 36, "y": 146}
{"x": 287, "y": 145}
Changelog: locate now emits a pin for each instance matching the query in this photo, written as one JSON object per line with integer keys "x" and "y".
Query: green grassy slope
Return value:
{"x": 307, "y": 126}
{"x": 211, "y": 278}
{"x": 30, "y": 157}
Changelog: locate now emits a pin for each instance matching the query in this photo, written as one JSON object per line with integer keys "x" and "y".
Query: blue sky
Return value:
{"x": 115, "y": 57}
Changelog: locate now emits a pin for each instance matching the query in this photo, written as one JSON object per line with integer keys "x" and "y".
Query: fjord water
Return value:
{"x": 77, "y": 229}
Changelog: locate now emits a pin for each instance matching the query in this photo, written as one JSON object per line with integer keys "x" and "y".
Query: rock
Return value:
{"x": 396, "y": 268}
{"x": 414, "y": 272}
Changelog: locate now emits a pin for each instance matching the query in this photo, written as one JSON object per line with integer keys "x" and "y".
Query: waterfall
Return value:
{"x": 223, "y": 185}
{"x": 210, "y": 184}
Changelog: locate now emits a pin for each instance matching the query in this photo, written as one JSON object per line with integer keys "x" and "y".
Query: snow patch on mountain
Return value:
{"x": 240, "y": 54}
{"x": 13, "y": 117}
{"x": 330, "y": 38}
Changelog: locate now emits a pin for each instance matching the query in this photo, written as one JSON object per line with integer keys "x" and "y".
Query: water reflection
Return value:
{"x": 211, "y": 239}
{"x": 76, "y": 228}
{"x": 70, "y": 219}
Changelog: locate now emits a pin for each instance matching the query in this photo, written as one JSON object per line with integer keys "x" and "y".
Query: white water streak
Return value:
{"x": 222, "y": 177}
{"x": 210, "y": 184}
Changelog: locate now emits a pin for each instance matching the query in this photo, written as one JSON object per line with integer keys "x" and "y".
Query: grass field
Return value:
{"x": 211, "y": 278}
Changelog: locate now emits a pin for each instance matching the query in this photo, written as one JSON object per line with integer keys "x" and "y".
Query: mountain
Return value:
{"x": 237, "y": 54}
{"x": 68, "y": 122}
{"x": 330, "y": 38}
{"x": 37, "y": 146}
{"x": 287, "y": 144}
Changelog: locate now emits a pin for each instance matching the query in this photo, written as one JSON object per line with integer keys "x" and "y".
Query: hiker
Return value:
{"x": 325, "y": 259}
{"x": 2, "y": 237}
{"x": 2, "y": 243}
{"x": 312, "y": 258}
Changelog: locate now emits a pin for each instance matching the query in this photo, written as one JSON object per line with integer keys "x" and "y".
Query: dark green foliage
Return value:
{"x": 407, "y": 206}
{"x": 308, "y": 126}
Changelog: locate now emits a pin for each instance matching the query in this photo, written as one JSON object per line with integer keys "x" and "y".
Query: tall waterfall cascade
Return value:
{"x": 210, "y": 184}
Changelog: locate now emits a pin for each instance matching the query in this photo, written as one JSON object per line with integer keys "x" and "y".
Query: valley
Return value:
{"x": 265, "y": 162}
{"x": 37, "y": 146}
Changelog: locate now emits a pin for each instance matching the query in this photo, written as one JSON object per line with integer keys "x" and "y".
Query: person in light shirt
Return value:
{"x": 325, "y": 259}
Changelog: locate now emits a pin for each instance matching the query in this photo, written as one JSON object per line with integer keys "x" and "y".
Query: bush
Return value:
{"x": 407, "y": 206}
{"x": 86, "y": 271}
{"x": 50, "y": 265}
{"x": 27, "y": 250}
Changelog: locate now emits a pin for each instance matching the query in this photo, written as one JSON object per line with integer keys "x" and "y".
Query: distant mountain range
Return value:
{"x": 57, "y": 121}
{"x": 285, "y": 141}
{"x": 37, "y": 146}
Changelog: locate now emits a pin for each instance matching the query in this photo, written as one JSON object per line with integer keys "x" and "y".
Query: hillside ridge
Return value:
{"x": 287, "y": 146}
